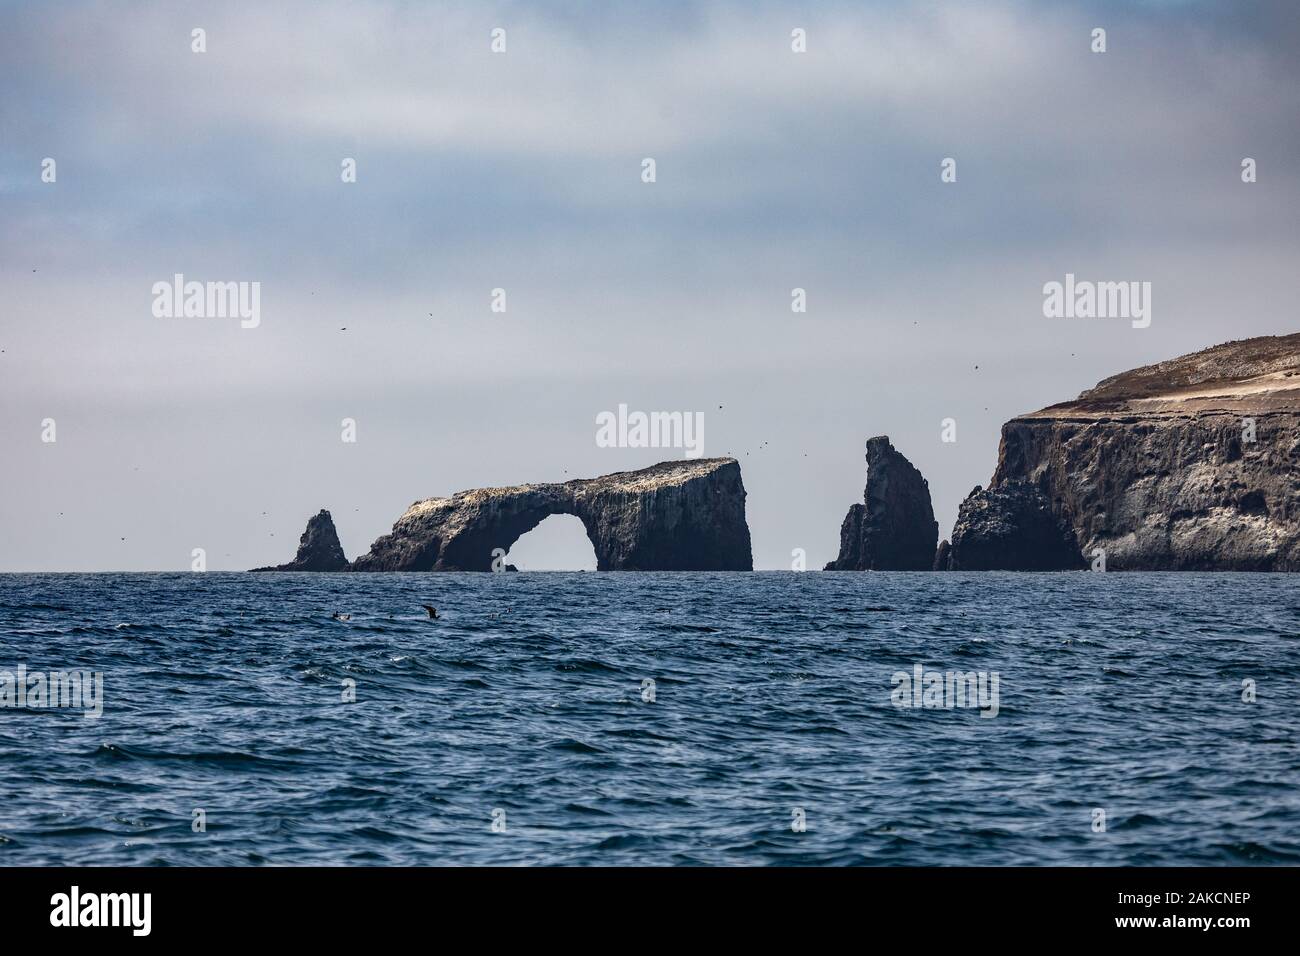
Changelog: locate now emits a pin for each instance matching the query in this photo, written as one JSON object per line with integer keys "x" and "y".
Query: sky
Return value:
{"x": 522, "y": 170}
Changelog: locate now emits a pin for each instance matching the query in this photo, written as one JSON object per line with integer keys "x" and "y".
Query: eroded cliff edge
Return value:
{"x": 674, "y": 516}
{"x": 1187, "y": 465}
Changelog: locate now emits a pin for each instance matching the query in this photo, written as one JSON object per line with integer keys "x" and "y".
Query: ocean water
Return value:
{"x": 518, "y": 728}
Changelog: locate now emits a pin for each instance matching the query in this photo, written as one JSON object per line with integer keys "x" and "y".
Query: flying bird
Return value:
{"x": 433, "y": 611}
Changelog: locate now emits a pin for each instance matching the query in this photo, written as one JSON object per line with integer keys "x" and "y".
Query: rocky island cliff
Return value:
{"x": 1192, "y": 464}
{"x": 674, "y": 516}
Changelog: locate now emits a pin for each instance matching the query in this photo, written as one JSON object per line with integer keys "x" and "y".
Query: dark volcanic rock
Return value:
{"x": 894, "y": 530}
{"x": 941, "y": 556}
{"x": 1011, "y": 528}
{"x": 850, "y": 558}
{"x": 318, "y": 548}
{"x": 674, "y": 516}
{"x": 1157, "y": 468}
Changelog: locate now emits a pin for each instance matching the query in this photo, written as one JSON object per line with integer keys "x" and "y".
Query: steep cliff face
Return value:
{"x": 894, "y": 528}
{"x": 674, "y": 516}
{"x": 1190, "y": 464}
{"x": 318, "y": 548}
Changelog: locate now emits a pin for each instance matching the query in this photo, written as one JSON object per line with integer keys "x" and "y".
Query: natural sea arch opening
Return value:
{"x": 558, "y": 543}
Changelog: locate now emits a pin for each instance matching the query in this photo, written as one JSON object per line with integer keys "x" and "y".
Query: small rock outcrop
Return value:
{"x": 941, "y": 556}
{"x": 674, "y": 516}
{"x": 1192, "y": 464}
{"x": 318, "y": 548}
{"x": 894, "y": 528}
{"x": 1011, "y": 528}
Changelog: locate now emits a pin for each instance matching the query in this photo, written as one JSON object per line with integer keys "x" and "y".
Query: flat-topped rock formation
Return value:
{"x": 1190, "y": 464}
{"x": 318, "y": 548}
{"x": 894, "y": 528}
{"x": 674, "y": 516}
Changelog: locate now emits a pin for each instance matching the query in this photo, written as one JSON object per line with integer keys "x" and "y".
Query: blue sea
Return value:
{"x": 654, "y": 719}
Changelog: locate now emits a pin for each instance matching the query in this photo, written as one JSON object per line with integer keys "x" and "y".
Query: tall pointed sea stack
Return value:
{"x": 318, "y": 548}
{"x": 894, "y": 528}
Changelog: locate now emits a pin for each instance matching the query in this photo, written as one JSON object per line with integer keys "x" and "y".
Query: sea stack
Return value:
{"x": 894, "y": 528}
{"x": 1192, "y": 464}
{"x": 318, "y": 548}
{"x": 675, "y": 516}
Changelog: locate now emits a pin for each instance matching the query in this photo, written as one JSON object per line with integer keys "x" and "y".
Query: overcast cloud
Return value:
{"x": 522, "y": 171}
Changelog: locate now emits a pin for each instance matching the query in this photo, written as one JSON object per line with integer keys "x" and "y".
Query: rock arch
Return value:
{"x": 559, "y": 543}
{"x": 674, "y": 516}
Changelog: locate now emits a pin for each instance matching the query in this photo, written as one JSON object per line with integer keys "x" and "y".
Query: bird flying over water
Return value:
{"x": 433, "y": 611}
